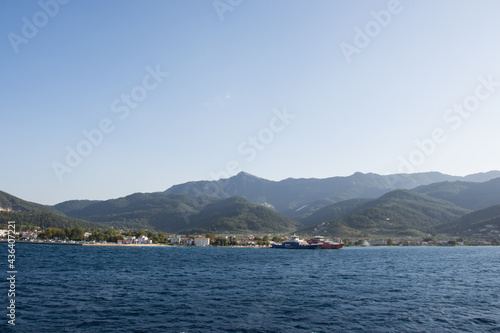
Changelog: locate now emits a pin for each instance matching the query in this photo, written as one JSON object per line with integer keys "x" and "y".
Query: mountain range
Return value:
{"x": 357, "y": 205}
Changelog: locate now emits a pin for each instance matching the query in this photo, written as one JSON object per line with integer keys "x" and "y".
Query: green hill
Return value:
{"x": 482, "y": 221}
{"x": 10, "y": 202}
{"x": 74, "y": 206}
{"x": 403, "y": 212}
{"x": 302, "y": 212}
{"x": 30, "y": 215}
{"x": 468, "y": 195}
{"x": 237, "y": 215}
{"x": 159, "y": 211}
{"x": 154, "y": 211}
{"x": 43, "y": 220}
{"x": 333, "y": 229}
{"x": 334, "y": 211}
{"x": 397, "y": 213}
{"x": 176, "y": 213}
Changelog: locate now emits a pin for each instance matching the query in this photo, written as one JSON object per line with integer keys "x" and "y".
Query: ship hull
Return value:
{"x": 325, "y": 243}
{"x": 327, "y": 246}
{"x": 295, "y": 246}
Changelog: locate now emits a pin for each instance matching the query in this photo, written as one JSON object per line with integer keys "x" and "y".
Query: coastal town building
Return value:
{"x": 247, "y": 241}
{"x": 29, "y": 234}
{"x": 135, "y": 240}
{"x": 201, "y": 241}
{"x": 175, "y": 240}
{"x": 186, "y": 241}
{"x": 144, "y": 240}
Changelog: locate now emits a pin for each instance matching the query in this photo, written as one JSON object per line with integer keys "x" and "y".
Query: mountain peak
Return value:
{"x": 246, "y": 177}
{"x": 245, "y": 174}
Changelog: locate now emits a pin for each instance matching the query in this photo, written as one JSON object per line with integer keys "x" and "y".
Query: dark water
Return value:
{"x": 401, "y": 289}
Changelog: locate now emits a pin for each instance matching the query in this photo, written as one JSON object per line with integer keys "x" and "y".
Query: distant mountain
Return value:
{"x": 335, "y": 229}
{"x": 237, "y": 215}
{"x": 335, "y": 211}
{"x": 74, "y": 206}
{"x": 180, "y": 212}
{"x": 304, "y": 211}
{"x": 289, "y": 195}
{"x": 160, "y": 211}
{"x": 249, "y": 204}
{"x": 483, "y": 222}
{"x": 405, "y": 209}
{"x": 481, "y": 177}
{"x": 465, "y": 194}
{"x": 399, "y": 212}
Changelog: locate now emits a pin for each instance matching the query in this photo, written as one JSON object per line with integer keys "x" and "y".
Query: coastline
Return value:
{"x": 181, "y": 246}
{"x": 84, "y": 244}
{"x": 126, "y": 245}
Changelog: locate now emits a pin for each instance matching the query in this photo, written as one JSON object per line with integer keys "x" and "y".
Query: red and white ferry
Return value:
{"x": 326, "y": 243}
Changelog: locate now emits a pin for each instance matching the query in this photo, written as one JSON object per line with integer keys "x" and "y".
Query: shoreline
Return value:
{"x": 211, "y": 246}
{"x": 84, "y": 244}
{"x": 126, "y": 245}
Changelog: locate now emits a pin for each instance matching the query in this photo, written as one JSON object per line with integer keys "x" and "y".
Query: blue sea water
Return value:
{"x": 379, "y": 289}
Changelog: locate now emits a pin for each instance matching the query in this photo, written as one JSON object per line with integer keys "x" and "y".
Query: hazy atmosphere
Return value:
{"x": 101, "y": 99}
{"x": 162, "y": 162}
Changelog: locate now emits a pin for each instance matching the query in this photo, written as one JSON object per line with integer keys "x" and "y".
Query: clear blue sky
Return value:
{"x": 276, "y": 88}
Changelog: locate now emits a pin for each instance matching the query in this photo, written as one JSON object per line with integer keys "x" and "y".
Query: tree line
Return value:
{"x": 99, "y": 235}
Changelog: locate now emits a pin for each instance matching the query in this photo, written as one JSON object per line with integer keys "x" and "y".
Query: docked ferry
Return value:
{"x": 325, "y": 243}
{"x": 296, "y": 243}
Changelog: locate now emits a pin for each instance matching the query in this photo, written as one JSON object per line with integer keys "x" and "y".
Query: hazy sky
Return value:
{"x": 101, "y": 99}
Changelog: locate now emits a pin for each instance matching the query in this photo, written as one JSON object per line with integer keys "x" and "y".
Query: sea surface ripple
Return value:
{"x": 175, "y": 289}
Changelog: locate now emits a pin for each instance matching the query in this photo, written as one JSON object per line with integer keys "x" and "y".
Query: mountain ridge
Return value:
{"x": 470, "y": 195}
{"x": 238, "y": 215}
{"x": 357, "y": 204}
{"x": 292, "y": 193}
{"x": 399, "y": 212}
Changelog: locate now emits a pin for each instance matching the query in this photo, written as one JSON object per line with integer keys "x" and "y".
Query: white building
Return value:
{"x": 175, "y": 240}
{"x": 201, "y": 241}
{"x": 29, "y": 235}
{"x": 144, "y": 240}
{"x": 127, "y": 240}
